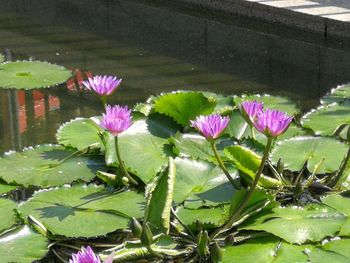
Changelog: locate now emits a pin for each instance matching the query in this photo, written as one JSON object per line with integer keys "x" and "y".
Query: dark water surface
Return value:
{"x": 154, "y": 48}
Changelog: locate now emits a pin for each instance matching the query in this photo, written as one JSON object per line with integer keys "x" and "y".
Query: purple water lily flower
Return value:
{"x": 251, "y": 109}
{"x": 85, "y": 255}
{"x": 272, "y": 122}
{"x": 211, "y": 126}
{"x": 116, "y": 119}
{"x": 103, "y": 85}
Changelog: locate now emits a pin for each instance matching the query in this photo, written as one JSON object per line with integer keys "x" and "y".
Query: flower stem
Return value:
{"x": 104, "y": 101}
{"x": 121, "y": 163}
{"x": 236, "y": 215}
{"x": 344, "y": 165}
{"x": 222, "y": 166}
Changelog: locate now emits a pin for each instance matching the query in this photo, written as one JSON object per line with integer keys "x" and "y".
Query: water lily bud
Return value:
{"x": 202, "y": 243}
{"x": 216, "y": 253}
{"x": 280, "y": 166}
{"x": 125, "y": 180}
{"x": 136, "y": 227}
{"x": 146, "y": 235}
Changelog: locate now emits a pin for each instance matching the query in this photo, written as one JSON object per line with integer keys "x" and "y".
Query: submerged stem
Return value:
{"x": 247, "y": 198}
{"x": 121, "y": 163}
{"x": 222, "y": 166}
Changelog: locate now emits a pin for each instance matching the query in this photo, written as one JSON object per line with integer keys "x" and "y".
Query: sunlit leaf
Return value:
{"x": 7, "y": 215}
{"x": 31, "y": 74}
{"x": 183, "y": 106}
{"x": 22, "y": 245}
{"x": 83, "y": 211}
{"x": 325, "y": 154}
{"x": 48, "y": 165}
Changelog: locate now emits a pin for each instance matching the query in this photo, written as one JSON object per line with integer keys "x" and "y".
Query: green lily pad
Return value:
{"x": 327, "y": 118}
{"x": 83, "y": 211}
{"x": 209, "y": 217}
{"x": 201, "y": 181}
{"x": 341, "y": 204}
{"x": 339, "y": 246}
{"x": 264, "y": 250}
{"x": 31, "y": 75}
{"x": 79, "y": 133}
{"x": 338, "y": 94}
{"x": 44, "y": 166}
{"x": 224, "y": 104}
{"x": 5, "y": 188}
{"x": 22, "y": 245}
{"x": 300, "y": 225}
{"x": 7, "y": 215}
{"x": 272, "y": 102}
{"x": 323, "y": 155}
{"x": 142, "y": 148}
{"x": 183, "y": 106}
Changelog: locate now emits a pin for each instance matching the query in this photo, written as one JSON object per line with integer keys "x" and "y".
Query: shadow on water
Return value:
{"x": 154, "y": 48}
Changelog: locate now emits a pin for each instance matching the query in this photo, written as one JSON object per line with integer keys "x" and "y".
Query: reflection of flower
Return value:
{"x": 116, "y": 119}
{"x": 85, "y": 255}
{"x": 103, "y": 85}
{"x": 211, "y": 126}
{"x": 272, "y": 122}
{"x": 250, "y": 109}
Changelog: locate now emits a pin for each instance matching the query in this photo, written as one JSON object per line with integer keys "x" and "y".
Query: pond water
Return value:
{"x": 154, "y": 48}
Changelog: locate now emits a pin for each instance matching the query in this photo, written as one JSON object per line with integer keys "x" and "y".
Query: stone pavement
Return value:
{"x": 332, "y": 9}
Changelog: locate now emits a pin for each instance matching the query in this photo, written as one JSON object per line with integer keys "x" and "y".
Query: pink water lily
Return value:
{"x": 103, "y": 85}
{"x": 272, "y": 122}
{"x": 85, "y": 255}
{"x": 116, "y": 119}
{"x": 211, "y": 126}
{"x": 251, "y": 109}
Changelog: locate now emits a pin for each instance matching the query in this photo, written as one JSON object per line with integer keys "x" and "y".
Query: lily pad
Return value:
{"x": 142, "y": 148}
{"x": 83, "y": 211}
{"x": 46, "y": 165}
{"x": 198, "y": 180}
{"x": 79, "y": 133}
{"x": 323, "y": 155}
{"x": 264, "y": 250}
{"x": 299, "y": 225}
{"x": 339, "y": 94}
{"x": 183, "y": 106}
{"x": 327, "y": 118}
{"x": 5, "y": 188}
{"x": 341, "y": 204}
{"x": 31, "y": 75}
{"x": 22, "y": 245}
{"x": 7, "y": 215}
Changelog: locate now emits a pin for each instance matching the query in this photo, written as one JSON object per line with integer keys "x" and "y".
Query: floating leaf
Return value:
{"x": 272, "y": 102}
{"x": 248, "y": 162}
{"x": 223, "y": 103}
{"x": 339, "y": 94}
{"x": 5, "y": 188}
{"x": 324, "y": 153}
{"x": 319, "y": 255}
{"x": 22, "y": 245}
{"x": 7, "y": 215}
{"x": 183, "y": 106}
{"x": 31, "y": 74}
{"x": 339, "y": 246}
{"x": 46, "y": 165}
{"x": 193, "y": 145}
{"x": 159, "y": 204}
{"x": 83, "y": 211}
{"x": 299, "y": 225}
{"x": 341, "y": 204}
{"x": 209, "y": 217}
{"x": 237, "y": 126}
{"x": 264, "y": 250}
{"x": 326, "y": 119}
{"x": 200, "y": 180}
{"x": 79, "y": 133}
